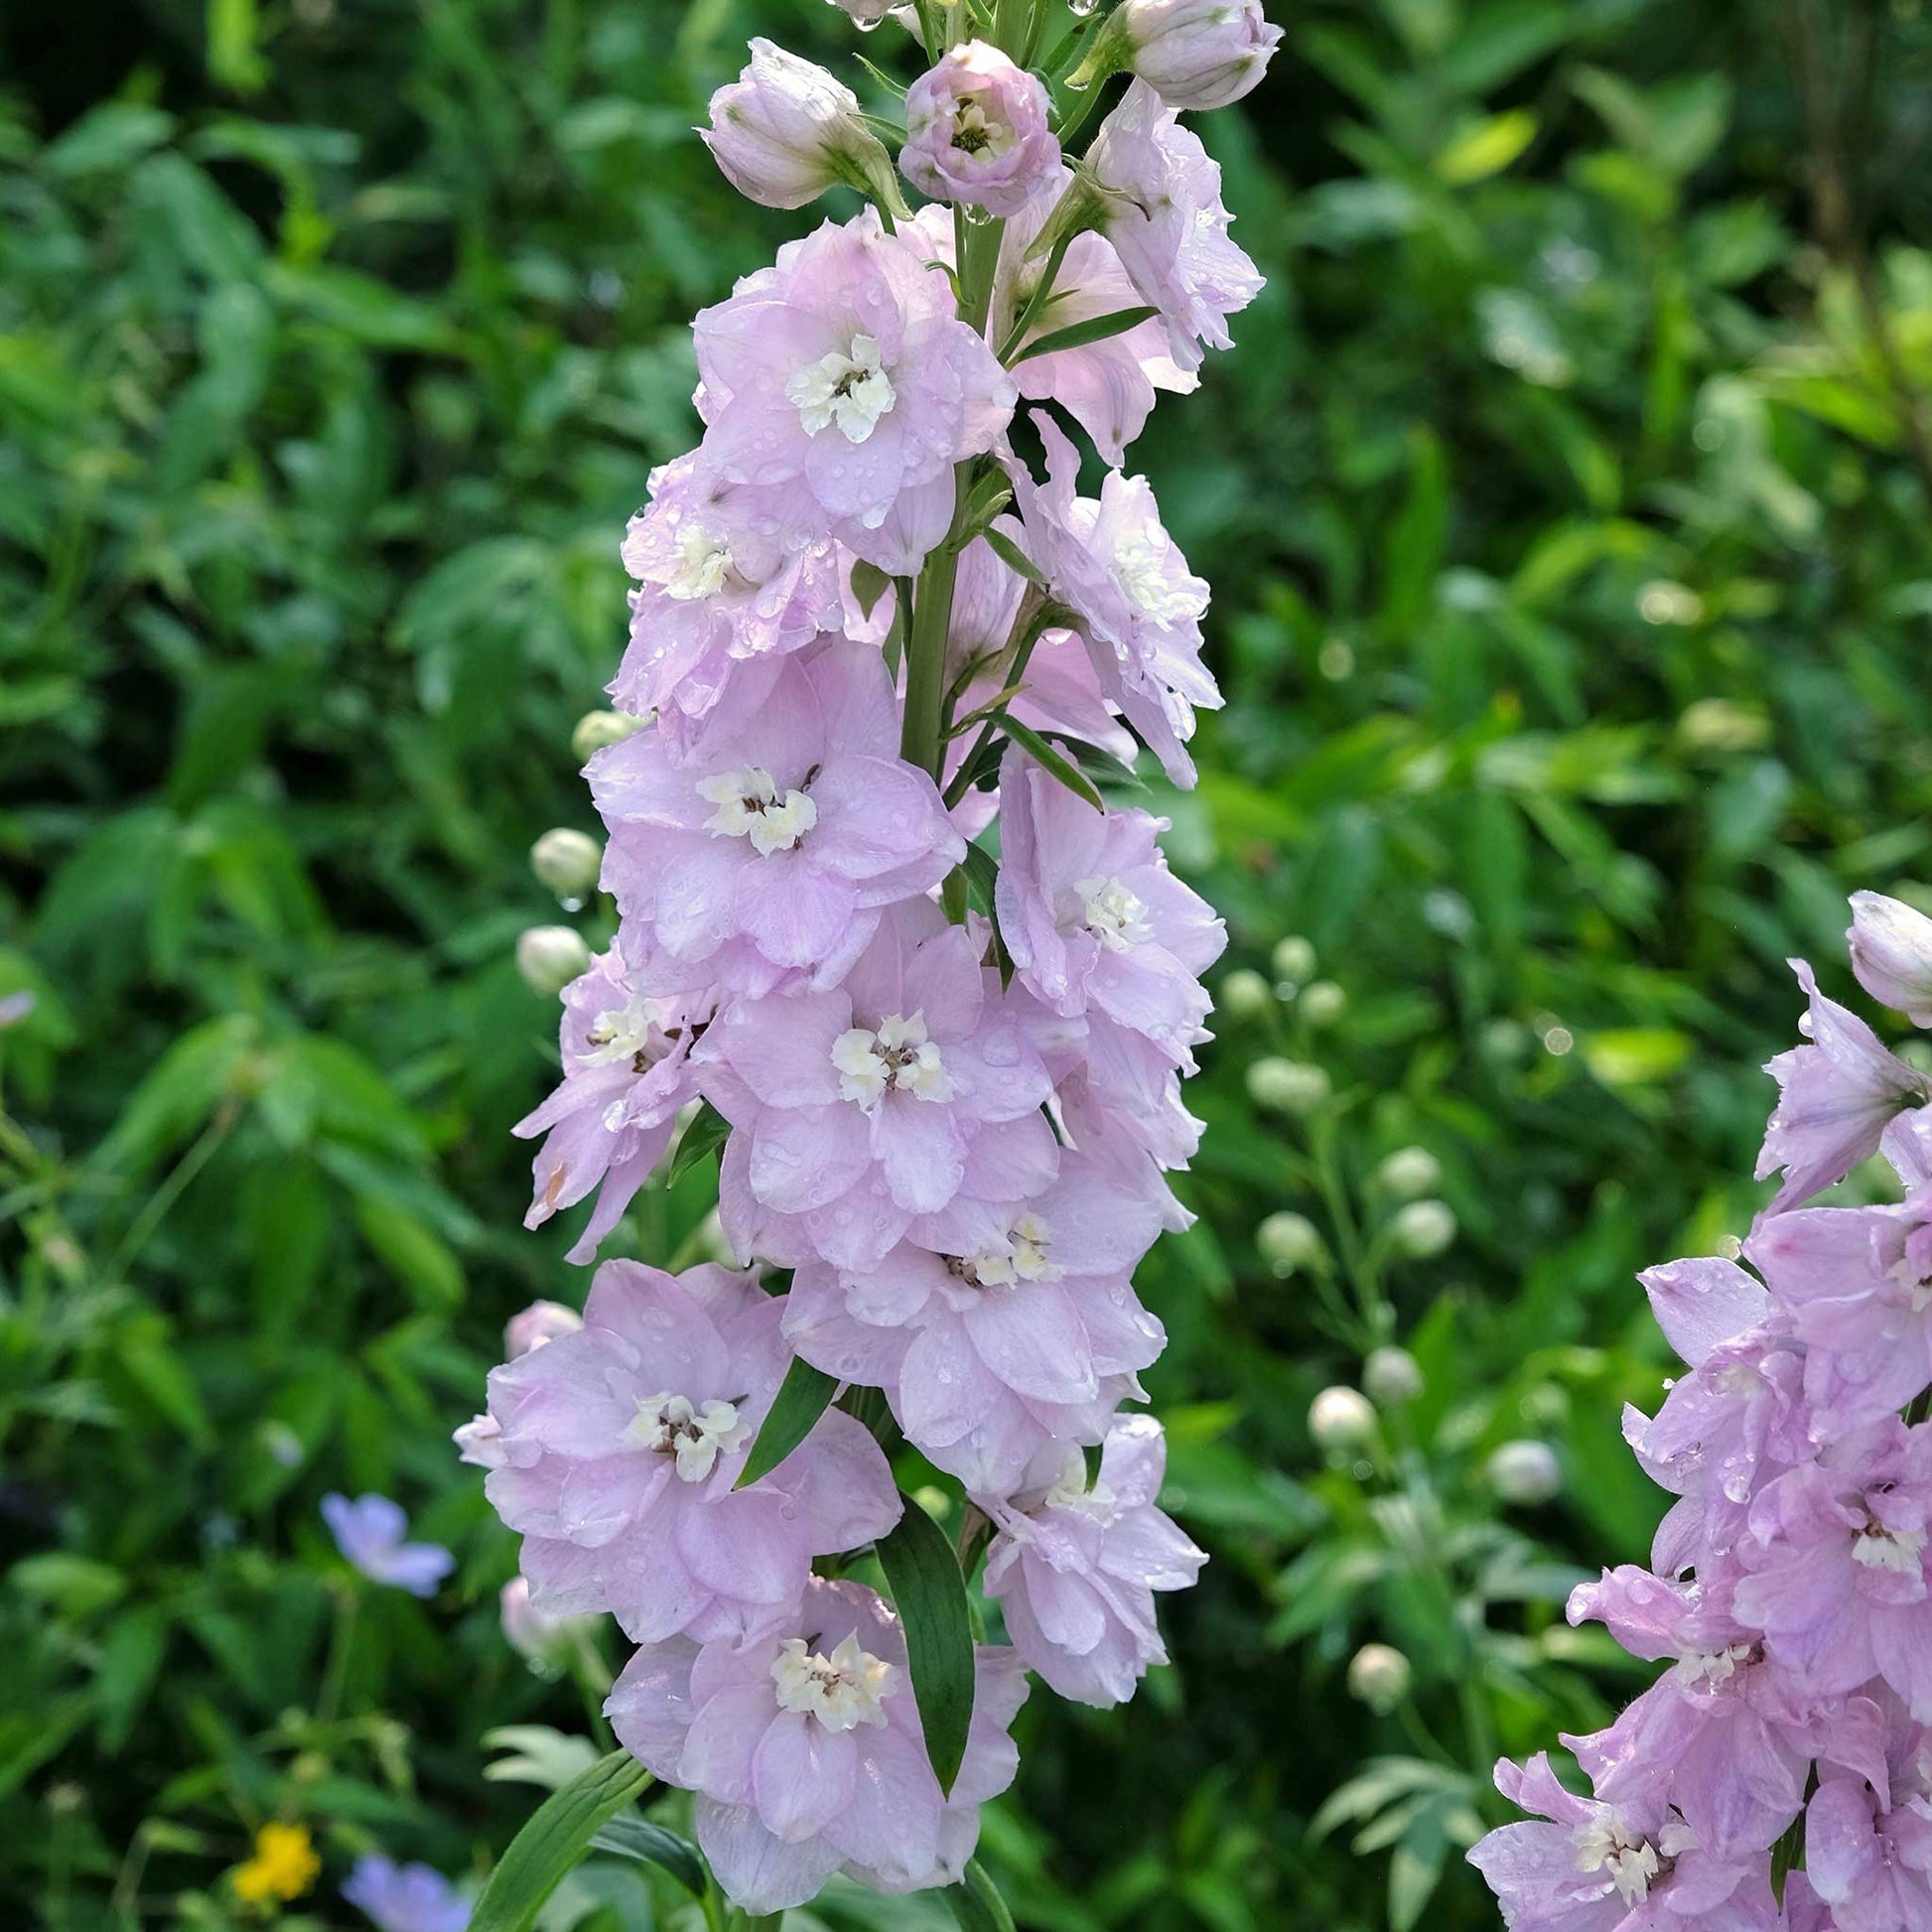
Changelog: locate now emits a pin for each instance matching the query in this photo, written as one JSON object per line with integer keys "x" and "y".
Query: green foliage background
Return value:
{"x": 1566, "y": 503}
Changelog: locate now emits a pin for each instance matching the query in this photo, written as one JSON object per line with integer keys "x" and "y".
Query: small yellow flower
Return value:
{"x": 283, "y": 1866}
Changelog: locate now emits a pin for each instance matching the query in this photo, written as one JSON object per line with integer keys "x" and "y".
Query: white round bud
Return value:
{"x": 1288, "y": 1087}
{"x": 1392, "y": 1376}
{"x": 785, "y": 130}
{"x": 541, "y": 1637}
{"x": 1407, "y": 1173}
{"x": 1379, "y": 1676}
{"x": 1322, "y": 1004}
{"x": 566, "y": 861}
{"x": 1293, "y": 960}
{"x": 1245, "y": 994}
{"x": 1423, "y": 1229}
{"x": 597, "y": 729}
{"x": 550, "y": 956}
{"x": 1198, "y": 54}
{"x": 1288, "y": 1241}
{"x": 540, "y": 1322}
{"x": 1340, "y": 1420}
{"x": 1524, "y": 1471}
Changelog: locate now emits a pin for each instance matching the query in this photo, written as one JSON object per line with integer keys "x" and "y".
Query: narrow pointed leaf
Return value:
{"x": 803, "y": 1396}
{"x": 705, "y": 1135}
{"x": 930, "y": 1596}
{"x": 1044, "y": 755}
{"x": 553, "y": 1841}
{"x": 629, "y": 1837}
{"x": 1077, "y": 335}
{"x": 1011, "y": 554}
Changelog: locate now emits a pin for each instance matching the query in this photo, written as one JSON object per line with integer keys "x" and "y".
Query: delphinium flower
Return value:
{"x": 888, "y": 945}
{"x": 404, "y": 1897}
{"x": 1790, "y": 1587}
{"x": 372, "y": 1532}
{"x": 806, "y": 1751}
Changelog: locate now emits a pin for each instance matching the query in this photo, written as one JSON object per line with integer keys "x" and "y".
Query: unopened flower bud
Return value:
{"x": 1891, "y": 953}
{"x": 537, "y": 1635}
{"x": 1198, "y": 53}
{"x": 1392, "y": 1376}
{"x": 1245, "y": 994}
{"x": 566, "y": 861}
{"x": 597, "y": 729}
{"x": 541, "y": 1321}
{"x": 1293, "y": 960}
{"x": 1288, "y": 1241}
{"x": 1423, "y": 1229}
{"x": 977, "y": 131}
{"x": 1288, "y": 1087}
{"x": 1407, "y": 1173}
{"x": 1379, "y": 1676}
{"x": 1341, "y": 1420}
{"x": 1322, "y": 1004}
{"x": 550, "y": 956}
{"x": 785, "y": 130}
{"x": 1524, "y": 1471}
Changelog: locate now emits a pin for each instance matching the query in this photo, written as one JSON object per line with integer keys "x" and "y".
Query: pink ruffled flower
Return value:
{"x": 1835, "y": 1566}
{"x": 999, "y": 1328}
{"x": 1074, "y": 1566}
{"x": 1725, "y": 1734}
{"x": 619, "y": 1447}
{"x": 976, "y": 132}
{"x": 1734, "y": 1420}
{"x": 858, "y": 1108}
{"x": 1856, "y": 1283}
{"x": 841, "y": 384}
{"x": 1836, "y": 1097}
{"x": 1869, "y": 1860}
{"x": 1604, "y": 1868}
{"x": 1891, "y": 953}
{"x": 805, "y": 1749}
{"x": 1111, "y": 561}
{"x": 723, "y": 593}
{"x": 772, "y": 848}
{"x": 1092, "y": 917}
{"x": 1164, "y": 215}
{"x": 627, "y": 1073}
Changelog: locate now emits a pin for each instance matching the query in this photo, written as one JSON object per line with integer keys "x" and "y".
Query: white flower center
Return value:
{"x": 1113, "y": 914}
{"x": 1631, "y": 1862}
{"x": 1024, "y": 1256}
{"x": 623, "y": 1034}
{"x": 850, "y": 1687}
{"x": 1143, "y": 569}
{"x": 974, "y": 134}
{"x": 751, "y": 806}
{"x": 671, "y": 1424}
{"x": 849, "y": 390}
{"x": 1715, "y": 1666}
{"x": 1070, "y": 1489}
{"x": 704, "y": 561}
{"x": 895, "y": 1058}
{"x": 1879, "y": 1548}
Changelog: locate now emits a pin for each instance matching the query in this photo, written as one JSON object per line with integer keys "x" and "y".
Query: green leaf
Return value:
{"x": 803, "y": 1396}
{"x": 930, "y": 1596}
{"x": 982, "y": 875}
{"x": 1049, "y": 760}
{"x": 869, "y": 585}
{"x": 705, "y": 1135}
{"x": 976, "y": 1902}
{"x": 1077, "y": 335}
{"x": 631, "y": 1837}
{"x": 1011, "y": 554}
{"x": 553, "y": 1841}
